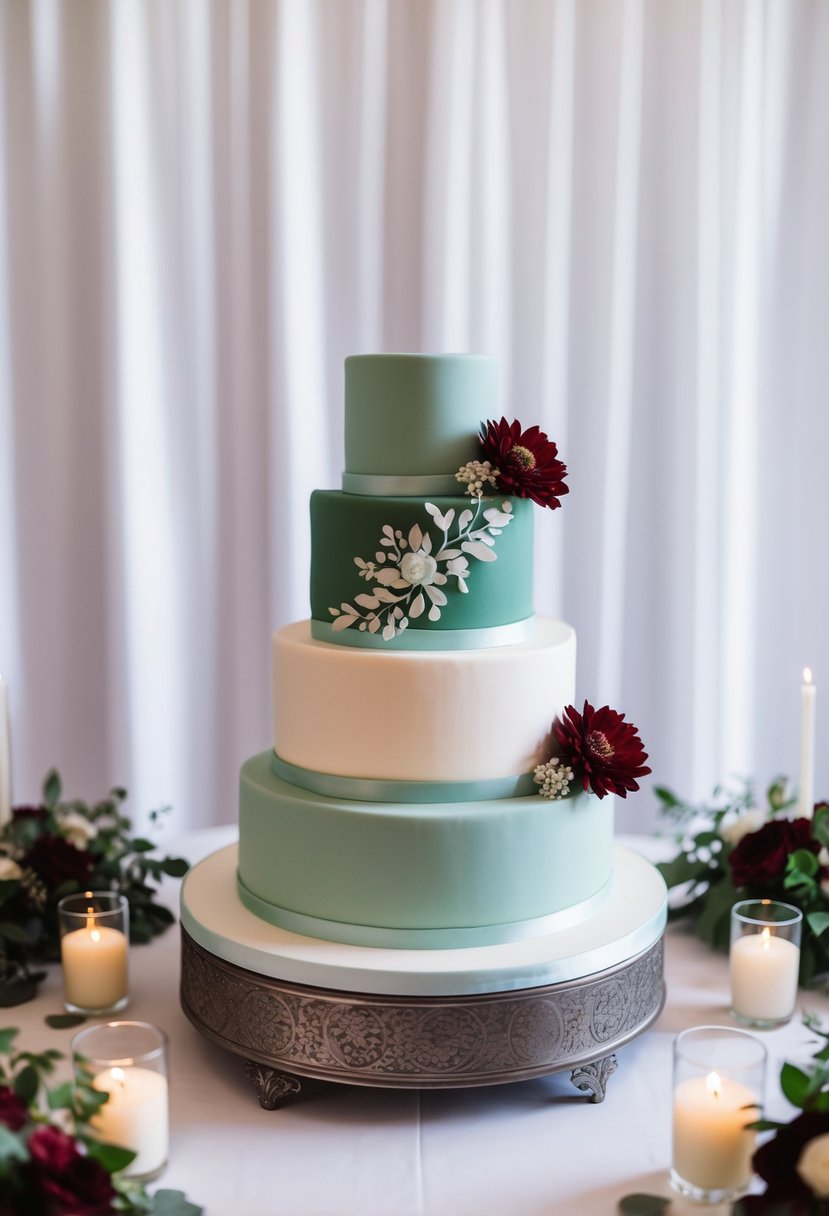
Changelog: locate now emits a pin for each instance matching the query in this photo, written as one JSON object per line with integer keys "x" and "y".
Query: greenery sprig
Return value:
{"x": 58, "y": 848}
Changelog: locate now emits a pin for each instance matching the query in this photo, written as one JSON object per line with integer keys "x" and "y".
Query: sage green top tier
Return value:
{"x": 416, "y": 415}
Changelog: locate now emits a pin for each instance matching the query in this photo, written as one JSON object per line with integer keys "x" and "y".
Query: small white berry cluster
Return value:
{"x": 554, "y": 779}
{"x": 476, "y": 475}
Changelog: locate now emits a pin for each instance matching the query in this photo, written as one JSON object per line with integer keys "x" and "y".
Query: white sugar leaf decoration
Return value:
{"x": 384, "y": 595}
{"x": 367, "y": 601}
{"x": 435, "y": 595}
{"x": 426, "y": 543}
{"x": 374, "y": 624}
{"x": 446, "y": 555}
{"x": 362, "y": 626}
{"x": 436, "y": 515}
{"x": 499, "y": 518}
{"x": 388, "y": 530}
{"x": 482, "y": 552}
{"x": 334, "y": 611}
{"x": 379, "y": 556}
{"x": 438, "y": 578}
{"x": 458, "y": 565}
{"x": 384, "y": 540}
{"x": 415, "y": 536}
{"x": 434, "y": 613}
{"x": 404, "y": 624}
{"x": 417, "y": 606}
{"x": 342, "y": 622}
{"x": 465, "y": 519}
{"x": 347, "y": 608}
{"x": 388, "y": 632}
{"x": 388, "y": 576}
{"x": 398, "y": 613}
{"x": 447, "y": 519}
{"x": 359, "y": 563}
{"x": 462, "y": 586}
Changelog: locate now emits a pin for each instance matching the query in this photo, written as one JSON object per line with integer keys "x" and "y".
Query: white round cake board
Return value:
{"x": 631, "y": 919}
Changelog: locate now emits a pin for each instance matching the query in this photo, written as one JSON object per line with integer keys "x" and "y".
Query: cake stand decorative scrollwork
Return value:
{"x": 353, "y": 1031}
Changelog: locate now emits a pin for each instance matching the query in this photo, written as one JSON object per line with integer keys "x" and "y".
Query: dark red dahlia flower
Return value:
{"x": 29, "y": 812}
{"x": 603, "y": 750}
{"x": 74, "y": 1184}
{"x": 13, "y": 1110}
{"x": 776, "y": 1161}
{"x": 527, "y": 462}
{"x": 760, "y": 857}
{"x": 57, "y": 861}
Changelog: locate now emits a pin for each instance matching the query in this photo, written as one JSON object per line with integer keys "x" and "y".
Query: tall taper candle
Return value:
{"x": 806, "y": 798}
{"x": 5, "y": 755}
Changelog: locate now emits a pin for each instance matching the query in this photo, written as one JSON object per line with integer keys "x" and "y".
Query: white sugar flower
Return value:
{"x": 476, "y": 475}
{"x": 813, "y": 1166}
{"x": 554, "y": 777}
{"x": 418, "y": 568}
{"x": 9, "y": 869}
{"x": 734, "y": 829}
{"x": 76, "y": 828}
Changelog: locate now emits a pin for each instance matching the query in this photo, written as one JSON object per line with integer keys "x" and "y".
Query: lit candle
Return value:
{"x": 94, "y": 965}
{"x": 806, "y": 800}
{"x": 5, "y": 755}
{"x": 712, "y": 1148}
{"x": 764, "y": 970}
{"x": 135, "y": 1116}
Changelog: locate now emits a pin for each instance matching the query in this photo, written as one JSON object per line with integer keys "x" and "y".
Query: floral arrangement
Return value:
{"x": 406, "y": 570}
{"x": 518, "y": 462}
{"x": 731, "y": 849}
{"x": 50, "y": 1162}
{"x": 794, "y": 1163}
{"x": 58, "y": 848}
{"x": 596, "y": 749}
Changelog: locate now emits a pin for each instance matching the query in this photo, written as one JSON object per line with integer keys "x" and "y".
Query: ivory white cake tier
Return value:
{"x": 629, "y": 921}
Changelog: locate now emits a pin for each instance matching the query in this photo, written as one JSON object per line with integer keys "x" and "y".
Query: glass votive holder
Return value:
{"x": 94, "y": 937}
{"x": 128, "y": 1061}
{"x": 764, "y": 961}
{"x": 719, "y": 1080}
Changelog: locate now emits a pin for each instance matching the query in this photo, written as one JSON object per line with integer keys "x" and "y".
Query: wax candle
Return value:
{"x": 764, "y": 970}
{"x": 712, "y": 1148}
{"x": 94, "y": 962}
{"x": 135, "y": 1116}
{"x": 5, "y": 755}
{"x": 808, "y": 694}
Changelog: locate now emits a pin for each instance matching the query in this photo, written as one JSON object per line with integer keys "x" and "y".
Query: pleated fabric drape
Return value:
{"x": 204, "y": 207}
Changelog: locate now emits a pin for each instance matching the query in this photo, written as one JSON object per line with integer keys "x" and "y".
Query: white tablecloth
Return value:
{"x": 535, "y": 1148}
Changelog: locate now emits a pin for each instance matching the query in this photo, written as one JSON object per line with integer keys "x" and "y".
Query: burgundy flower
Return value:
{"x": 760, "y": 857}
{"x": 776, "y": 1161}
{"x": 604, "y": 751}
{"x": 29, "y": 812}
{"x": 13, "y": 1110}
{"x": 57, "y": 861}
{"x": 527, "y": 462}
{"x": 75, "y": 1184}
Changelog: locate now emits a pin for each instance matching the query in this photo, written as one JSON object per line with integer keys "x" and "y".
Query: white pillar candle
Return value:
{"x": 712, "y": 1148}
{"x": 94, "y": 966}
{"x": 806, "y": 793}
{"x": 135, "y": 1116}
{"x": 5, "y": 755}
{"x": 764, "y": 971}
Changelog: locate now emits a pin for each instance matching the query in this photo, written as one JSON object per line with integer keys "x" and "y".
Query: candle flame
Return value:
{"x": 713, "y": 1084}
{"x": 95, "y": 935}
{"x": 119, "y": 1077}
{"x": 807, "y": 675}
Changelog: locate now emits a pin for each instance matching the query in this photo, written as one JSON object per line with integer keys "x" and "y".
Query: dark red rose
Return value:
{"x": 776, "y": 1161}
{"x": 75, "y": 1184}
{"x": 57, "y": 861}
{"x": 760, "y": 857}
{"x": 13, "y": 1110}
{"x": 29, "y": 812}
{"x": 527, "y": 462}
{"x": 603, "y": 750}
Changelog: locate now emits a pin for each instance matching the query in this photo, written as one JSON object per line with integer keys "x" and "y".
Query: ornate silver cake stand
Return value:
{"x": 421, "y": 1019}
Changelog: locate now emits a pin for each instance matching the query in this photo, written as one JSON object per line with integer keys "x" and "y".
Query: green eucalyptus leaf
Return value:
{"x": 7, "y": 1037}
{"x": 175, "y": 867}
{"x": 818, "y": 922}
{"x": 60, "y": 1097}
{"x": 26, "y": 1084}
{"x": 12, "y": 1148}
{"x": 51, "y": 789}
{"x": 64, "y": 1021}
{"x": 804, "y": 862}
{"x": 111, "y": 1156}
{"x": 794, "y": 1083}
{"x": 644, "y": 1205}
{"x": 173, "y": 1203}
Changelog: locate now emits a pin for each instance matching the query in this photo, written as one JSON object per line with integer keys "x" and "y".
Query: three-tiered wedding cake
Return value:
{"x": 399, "y": 807}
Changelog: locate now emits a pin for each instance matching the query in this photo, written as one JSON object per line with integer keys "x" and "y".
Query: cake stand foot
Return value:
{"x": 592, "y": 1078}
{"x": 273, "y": 1087}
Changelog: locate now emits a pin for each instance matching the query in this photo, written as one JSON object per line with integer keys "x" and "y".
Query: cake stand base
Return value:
{"x": 501, "y": 1023}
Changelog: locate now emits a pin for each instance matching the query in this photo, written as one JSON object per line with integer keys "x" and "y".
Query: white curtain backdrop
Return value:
{"x": 204, "y": 207}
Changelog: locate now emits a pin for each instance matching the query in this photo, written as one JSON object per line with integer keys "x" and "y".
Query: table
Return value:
{"x": 535, "y": 1148}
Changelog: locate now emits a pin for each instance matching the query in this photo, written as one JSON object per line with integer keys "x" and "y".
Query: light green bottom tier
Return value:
{"x": 435, "y": 875}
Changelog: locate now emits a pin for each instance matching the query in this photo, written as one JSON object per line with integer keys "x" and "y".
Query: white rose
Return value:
{"x": 9, "y": 868}
{"x": 418, "y": 568}
{"x": 734, "y": 830}
{"x": 813, "y": 1166}
{"x": 76, "y": 828}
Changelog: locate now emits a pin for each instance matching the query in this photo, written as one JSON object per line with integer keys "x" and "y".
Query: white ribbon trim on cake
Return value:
{"x": 382, "y": 485}
{"x": 429, "y": 639}
{"x": 370, "y": 789}
{"x": 461, "y": 937}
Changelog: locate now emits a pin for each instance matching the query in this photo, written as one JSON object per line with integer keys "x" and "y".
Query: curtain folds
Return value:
{"x": 205, "y": 207}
